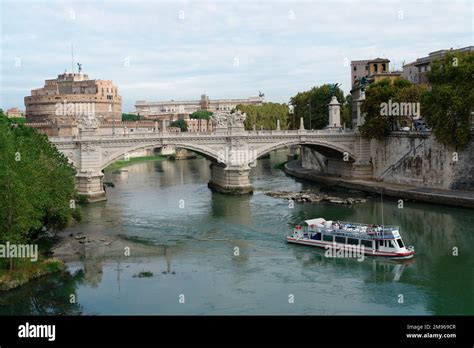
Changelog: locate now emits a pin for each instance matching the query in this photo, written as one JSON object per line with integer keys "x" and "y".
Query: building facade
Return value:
{"x": 71, "y": 95}
{"x": 416, "y": 72}
{"x": 15, "y": 112}
{"x": 171, "y": 109}
{"x": 373, "y": 70}
{"x": 199, "y": 125}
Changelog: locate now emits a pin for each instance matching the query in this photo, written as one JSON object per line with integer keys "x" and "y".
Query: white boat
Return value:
{"x": 372, "y": 240}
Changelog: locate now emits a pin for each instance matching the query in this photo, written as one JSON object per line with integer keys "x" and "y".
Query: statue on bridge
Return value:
{"x": 87, "y": 121}
{"x": 333, "y": 88}
{"x": 225, "y": 120}
{"x": 219, "y": 120}
{"x": 363, "y": 82}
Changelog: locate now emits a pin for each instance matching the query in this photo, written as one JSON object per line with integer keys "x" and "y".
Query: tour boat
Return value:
{"x": 371, "y": 240}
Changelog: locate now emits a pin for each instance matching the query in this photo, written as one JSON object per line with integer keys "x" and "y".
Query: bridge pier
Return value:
{"x": 91, "y": 186}
{"x": 230, "y": 180}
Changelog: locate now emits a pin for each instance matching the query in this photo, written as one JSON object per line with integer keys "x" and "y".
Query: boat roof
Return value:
{"x": 315, "y": 221}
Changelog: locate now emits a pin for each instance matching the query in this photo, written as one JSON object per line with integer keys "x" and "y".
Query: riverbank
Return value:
{"x": 133, "y": 160}
{"x": 422, "y": 194}
{"x": 94, "y": 244}
{"x": 28, "y": 271}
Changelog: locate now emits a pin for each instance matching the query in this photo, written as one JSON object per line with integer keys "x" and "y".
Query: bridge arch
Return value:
{"x": 205, "y": 151}
{"x": 316, "y": 144}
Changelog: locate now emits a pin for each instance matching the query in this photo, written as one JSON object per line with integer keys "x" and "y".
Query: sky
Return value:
{"x": 178, "y": 50}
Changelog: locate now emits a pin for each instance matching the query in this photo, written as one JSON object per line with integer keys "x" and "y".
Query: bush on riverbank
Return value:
{"x": 36, "y": 182}
{"x": 27, "y": 270}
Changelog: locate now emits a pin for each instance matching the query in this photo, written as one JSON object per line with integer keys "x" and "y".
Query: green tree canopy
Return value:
{"x": 346, "y": 112}
{"x": 130, "y": 117}
{"x": 313, "y": 106}
{"x": 377, "y": 124}
{"x": 181, "y": 124}
{"x": 36, "y": 182}
{"x": 201, "y": 115}
{"x": 265, "y": 115}
{"x": 447, "y": 106}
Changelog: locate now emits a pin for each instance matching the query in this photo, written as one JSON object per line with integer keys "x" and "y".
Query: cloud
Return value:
{"x": 179, "y": 50}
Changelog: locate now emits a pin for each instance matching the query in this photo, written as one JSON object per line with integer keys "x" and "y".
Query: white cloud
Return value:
{"x": 180, "y": 58}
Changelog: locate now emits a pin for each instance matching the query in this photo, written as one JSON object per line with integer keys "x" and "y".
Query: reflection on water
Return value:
{"x": 52, "y": 295}
{"x": 227, "y": 254}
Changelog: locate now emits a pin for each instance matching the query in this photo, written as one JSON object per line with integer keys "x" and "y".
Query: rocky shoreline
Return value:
{"x": 311, "y": 197}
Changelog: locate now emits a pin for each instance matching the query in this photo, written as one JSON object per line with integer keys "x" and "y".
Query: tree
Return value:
{"x": 130, "y": 117}
{"x": 346, "y": 112}
{"x": 265, "y": 115}
{"x": 201, "y": 115}
{"x": 36, "y": 182}
{"x": 313, "y": 106}
{"x": 447, "y": 106}
{"x": 385, "y": 92}
{"x": 181, "y": 124}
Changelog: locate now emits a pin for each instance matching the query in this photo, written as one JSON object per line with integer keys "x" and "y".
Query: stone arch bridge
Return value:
{"x": 232, "y": 155}
{"x": 231, "y": 150}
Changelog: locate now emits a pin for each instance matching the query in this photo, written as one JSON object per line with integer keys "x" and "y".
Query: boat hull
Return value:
{"x": 367, "y": 252}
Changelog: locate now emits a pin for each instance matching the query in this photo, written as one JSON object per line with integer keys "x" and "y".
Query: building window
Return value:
{"x": 375, "y": 67}
{"x": 355, "y": 68}
{"x": 384, "y": 68}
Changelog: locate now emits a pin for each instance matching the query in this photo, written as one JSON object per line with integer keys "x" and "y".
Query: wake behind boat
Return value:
{"x": 373, "y": 240}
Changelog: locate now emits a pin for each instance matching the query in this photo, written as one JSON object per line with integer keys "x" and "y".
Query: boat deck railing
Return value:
{"x": 371, "y": 232}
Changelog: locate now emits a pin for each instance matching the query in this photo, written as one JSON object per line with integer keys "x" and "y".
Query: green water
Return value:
{"x": 191, "y": 253}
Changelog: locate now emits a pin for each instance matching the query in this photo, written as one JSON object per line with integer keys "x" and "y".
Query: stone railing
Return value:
{"x": 38, "y": 124}
{"x": 109, "y": 124}
{"x": 193, "y": 135}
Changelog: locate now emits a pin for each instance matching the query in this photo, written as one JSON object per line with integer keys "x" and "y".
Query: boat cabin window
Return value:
{"x": 390, "y": 244}
{"x": 352, "y": 241}
{"x": 366, "y": 243}
{"x": 341, "y": 239}
{"x": 400, "y": 243}
{"x": 316, "y": 236}
{"x": 328, "y": 237}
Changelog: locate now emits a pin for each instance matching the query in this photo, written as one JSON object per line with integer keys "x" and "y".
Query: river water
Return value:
{"x": 192, "y": 236}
